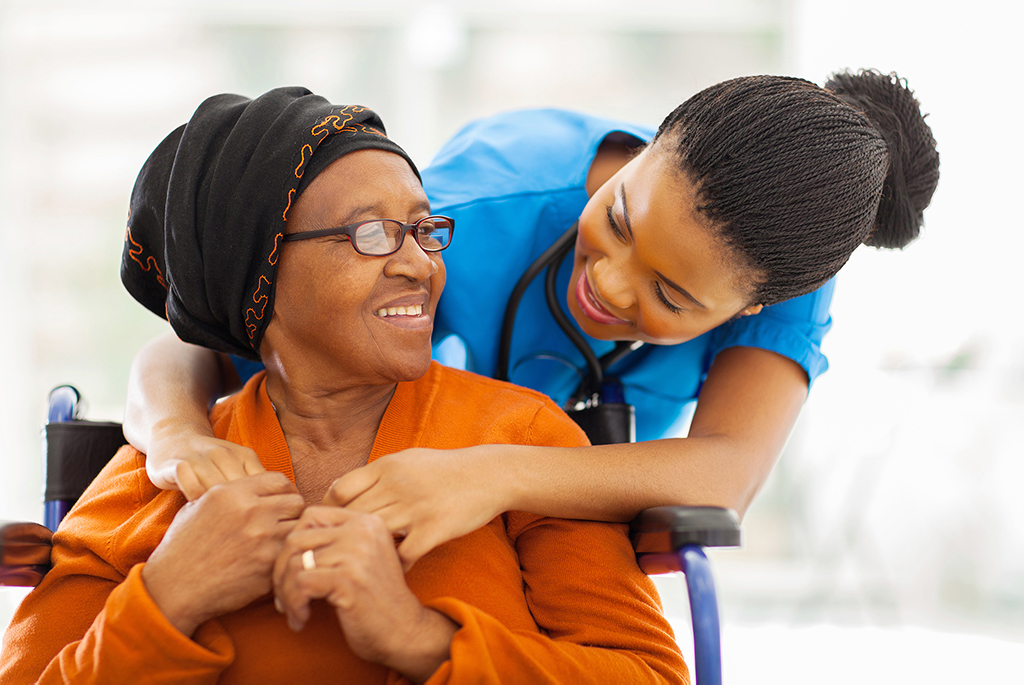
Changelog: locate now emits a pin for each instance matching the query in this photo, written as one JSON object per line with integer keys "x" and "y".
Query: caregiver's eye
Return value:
{"x": 675, "y": 309}
{"x": 614, "y": 226}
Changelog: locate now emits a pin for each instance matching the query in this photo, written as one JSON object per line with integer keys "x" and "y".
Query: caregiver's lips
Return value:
{"x": 589, "y": 305}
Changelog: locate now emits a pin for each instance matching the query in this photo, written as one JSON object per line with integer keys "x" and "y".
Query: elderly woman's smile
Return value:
{"x": 411, "y": 310}
{"x": 345, "y": 317}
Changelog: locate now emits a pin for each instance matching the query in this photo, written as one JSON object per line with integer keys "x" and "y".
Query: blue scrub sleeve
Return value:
{"x": 794, "y": 329}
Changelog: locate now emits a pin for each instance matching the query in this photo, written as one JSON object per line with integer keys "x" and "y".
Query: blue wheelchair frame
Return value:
{"x": 64, "y": 408}
{"x": 665, "y": 539}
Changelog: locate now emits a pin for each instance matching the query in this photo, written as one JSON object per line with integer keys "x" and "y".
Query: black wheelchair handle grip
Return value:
{"x": 665, "y": 530}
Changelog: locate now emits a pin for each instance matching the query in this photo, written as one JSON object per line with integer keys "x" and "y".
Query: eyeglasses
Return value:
{"x": 381, "y": 237}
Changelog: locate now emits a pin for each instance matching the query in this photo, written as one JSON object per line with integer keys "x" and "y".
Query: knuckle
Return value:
{"x": 251, "y": 531}
{"x": 276, "y": 479}
{"x": 364, "y": 525}
{"x": 375, "y": 524}
{"x": 368, "y": 531}
{"x": 267, "y": 554}
{"x": 182, "y": 469}
{"x": 218, "y": 495}
{"x": 303, "y": 584}
{"x": 215, "y": 449}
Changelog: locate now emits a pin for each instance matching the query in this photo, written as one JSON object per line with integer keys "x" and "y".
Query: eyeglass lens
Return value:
{"x": 385, "y": 235}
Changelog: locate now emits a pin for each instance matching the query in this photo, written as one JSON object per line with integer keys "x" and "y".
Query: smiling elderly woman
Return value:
{"x": 292, "y": 230}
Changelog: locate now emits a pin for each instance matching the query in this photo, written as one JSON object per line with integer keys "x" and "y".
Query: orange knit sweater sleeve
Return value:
{"x": 91, "y": 619}
{"x": 600, "y": 616}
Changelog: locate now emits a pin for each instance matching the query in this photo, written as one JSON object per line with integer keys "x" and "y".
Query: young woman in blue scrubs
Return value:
{"x": 713, "y": 241}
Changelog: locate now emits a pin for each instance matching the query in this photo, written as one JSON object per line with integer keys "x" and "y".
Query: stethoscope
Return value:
{"x": 596, "y": 387}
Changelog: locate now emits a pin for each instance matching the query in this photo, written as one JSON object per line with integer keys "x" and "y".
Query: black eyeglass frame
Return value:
{"x": 350, "y": 232}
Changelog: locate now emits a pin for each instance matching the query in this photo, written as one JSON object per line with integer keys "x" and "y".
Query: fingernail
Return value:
{"x": 278, "y": 605}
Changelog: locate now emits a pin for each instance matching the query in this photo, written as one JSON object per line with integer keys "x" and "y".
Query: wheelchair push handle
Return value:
{"x": 669, "y": 539}
{"x": 76, "y": 450}
{"x": 65, "y": 404}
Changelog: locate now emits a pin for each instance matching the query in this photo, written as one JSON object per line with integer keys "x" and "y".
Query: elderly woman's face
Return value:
{"x": 338, "y": 315}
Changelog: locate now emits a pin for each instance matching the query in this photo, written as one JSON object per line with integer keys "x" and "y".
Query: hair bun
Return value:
{"x": 913, "y": 173}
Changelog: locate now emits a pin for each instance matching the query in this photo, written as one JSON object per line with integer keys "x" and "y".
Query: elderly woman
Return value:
{"x": 293, "y": 230}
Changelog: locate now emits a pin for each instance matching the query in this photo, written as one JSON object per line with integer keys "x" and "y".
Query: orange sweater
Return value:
{"x": 538, "y": 599}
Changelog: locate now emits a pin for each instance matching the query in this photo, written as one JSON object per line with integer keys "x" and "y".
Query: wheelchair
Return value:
{"x": 665, "y": 539}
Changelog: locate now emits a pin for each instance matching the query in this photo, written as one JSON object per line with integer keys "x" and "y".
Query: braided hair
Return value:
{"x": 793, "y": 177}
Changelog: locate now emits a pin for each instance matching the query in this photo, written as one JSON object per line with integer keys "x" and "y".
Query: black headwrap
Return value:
{"x": 210, "y": 204}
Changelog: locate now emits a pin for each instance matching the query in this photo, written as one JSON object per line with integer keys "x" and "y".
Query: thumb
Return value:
{"x": 164, "y": 475}
{"x": 350, "y": 486}
{"x": 412, "y": 549}
{"x": 269, "y": 483}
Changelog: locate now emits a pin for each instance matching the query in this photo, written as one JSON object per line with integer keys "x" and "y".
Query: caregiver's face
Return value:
{"x": 345, "y": 316}
{"x": 646, "y": 266}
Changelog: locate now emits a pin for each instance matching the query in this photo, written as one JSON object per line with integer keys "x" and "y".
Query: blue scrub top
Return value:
{"x": 514, "y": 183}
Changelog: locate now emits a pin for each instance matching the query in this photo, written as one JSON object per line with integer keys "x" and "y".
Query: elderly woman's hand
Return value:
{"x": 349, "y": 559}
{"x": 427, "y": 496}
{"x": 219, "y": 551}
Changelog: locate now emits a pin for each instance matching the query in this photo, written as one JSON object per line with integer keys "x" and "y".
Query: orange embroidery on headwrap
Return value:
{"x": 273, "y": 253}
{"x": 364, "y": 128}
{"x": 302, "y": 162}
{"x": 284, "y": 214}
{"x": 136, "y": 253}
{"x": 339, "y": 122}
{"x": 335, "y": 121}
{"x": 261, "y": 301}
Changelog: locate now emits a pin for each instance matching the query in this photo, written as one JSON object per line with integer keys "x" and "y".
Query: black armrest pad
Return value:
{"x": 75, "y": 452}
{"x": 24, "y": 553}
{"x": 664, "y": 530}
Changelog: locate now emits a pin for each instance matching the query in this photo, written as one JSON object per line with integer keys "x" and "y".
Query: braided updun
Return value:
{"x": 793, "y": 177}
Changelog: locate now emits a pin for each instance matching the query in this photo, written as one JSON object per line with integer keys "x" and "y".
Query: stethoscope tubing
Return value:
{"x": 551, "y": 259}
{"x": 508, "y": 321}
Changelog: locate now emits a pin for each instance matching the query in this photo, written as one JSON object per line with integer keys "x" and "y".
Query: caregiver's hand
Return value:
{"x": 181, "y": 459}
{"x": 428, "y": 496}
{"x": 354, "y": 566}
{"x": 219, "y": 551}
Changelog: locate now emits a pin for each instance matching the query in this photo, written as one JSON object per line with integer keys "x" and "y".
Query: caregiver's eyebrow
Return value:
{"x": 625, "y": 212}
{"x": 680, "y": 289}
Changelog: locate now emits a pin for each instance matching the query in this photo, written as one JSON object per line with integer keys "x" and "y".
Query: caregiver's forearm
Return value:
{"x": 747, "y": 408}
{"x": 170, "y": 387}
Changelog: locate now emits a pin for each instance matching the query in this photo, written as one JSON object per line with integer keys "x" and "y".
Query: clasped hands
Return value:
{"x": 424, "y": 496}
{"x": 247, "y": 537}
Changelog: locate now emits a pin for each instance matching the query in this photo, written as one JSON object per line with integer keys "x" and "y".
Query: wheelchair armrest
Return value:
{"x": 659, "y": 533}
{"x": 24, "y": 553}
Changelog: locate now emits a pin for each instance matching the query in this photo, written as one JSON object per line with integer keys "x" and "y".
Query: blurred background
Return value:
{"x": 889, "y": 542}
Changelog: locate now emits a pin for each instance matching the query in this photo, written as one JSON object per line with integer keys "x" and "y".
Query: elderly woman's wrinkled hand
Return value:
{"x": 181, "y": 460}
{"x": 218, "y": 553}
{"x": 426, "y": 496}
{"x": 349, "y": 559}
